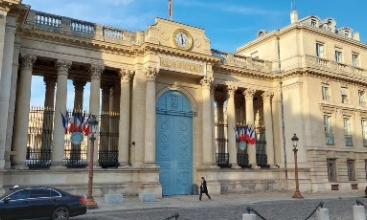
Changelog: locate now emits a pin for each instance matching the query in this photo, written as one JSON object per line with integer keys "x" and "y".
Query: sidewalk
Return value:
{"x": 192, "y": 201}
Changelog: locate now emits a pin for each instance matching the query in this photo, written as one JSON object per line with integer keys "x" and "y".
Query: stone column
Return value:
{"x": 124, "y": 124}
{"x": 231, "y": 121}
{"x": 5, "y": 83}
{"x": 48, "y": 114}
{"x": 58, "y": 144}
{"x": 3, "y": 17}
{"x": 50, "y": 84}
{"x": 150, "y": 117}
{"x": 79, "y": 92}
{"x": 268, "y": 121}
{"x": 22, "y": 113}
{"x": 11, "y": 116}
{"x": 94, "y": 100}
{"x": 250, "y": 120}
{"x": 207, "y": 126}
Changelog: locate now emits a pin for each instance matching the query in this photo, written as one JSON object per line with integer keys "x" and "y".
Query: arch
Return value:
{"x": 175, "y": 143}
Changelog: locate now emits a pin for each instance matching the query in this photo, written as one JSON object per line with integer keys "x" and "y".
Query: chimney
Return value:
{"x": 294, "y": 16}
{"x": 357, "y": 36}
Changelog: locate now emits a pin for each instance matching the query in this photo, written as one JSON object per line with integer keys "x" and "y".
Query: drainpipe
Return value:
{"x": 282, "y": 112}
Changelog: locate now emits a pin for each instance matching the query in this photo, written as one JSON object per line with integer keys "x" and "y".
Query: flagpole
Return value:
{"x": 170, "y": 9}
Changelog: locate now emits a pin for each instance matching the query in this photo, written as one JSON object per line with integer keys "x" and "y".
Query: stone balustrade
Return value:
{"x": 340, "y": 68}
{"x": 68, "y": 26}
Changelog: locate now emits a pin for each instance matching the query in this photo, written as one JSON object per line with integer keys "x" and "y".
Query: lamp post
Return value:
{"x": 297, "y": 194}
{"x": 93, "y": 125}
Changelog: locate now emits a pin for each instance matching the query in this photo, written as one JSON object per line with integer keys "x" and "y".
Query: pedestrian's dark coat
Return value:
{"x": 203, "y": 187}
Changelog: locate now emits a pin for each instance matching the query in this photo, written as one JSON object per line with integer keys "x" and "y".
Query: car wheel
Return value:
{"x": 60, "y": 213}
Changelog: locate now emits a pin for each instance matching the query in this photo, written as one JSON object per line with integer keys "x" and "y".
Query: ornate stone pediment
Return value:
{"x": 167, "y": 33}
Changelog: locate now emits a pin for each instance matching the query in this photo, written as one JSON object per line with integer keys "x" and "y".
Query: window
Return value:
{"x": 362, "y": 98}
{"x": 325, "y": 93}
{"x": 40, "y": 193}
{"x": 338, "y": 56}
{"x": 331, "y": 170}
{"x": 55, "y": 194}
{"x": 313, "y": 23}
{"x": 344, "y": 93}
{"x": 22, "y": 194}
{"x": 355, "y": 59}
{"x": 351, "y": 171}
{"x": 320, "y": 50}
{"x": 328, "y": 130}
{"x": 348, "y": 132}
{"x": 364, "y": 132}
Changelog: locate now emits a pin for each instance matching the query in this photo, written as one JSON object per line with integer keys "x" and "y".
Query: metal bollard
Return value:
{"x": 323, "y": 214}
{"x": 359, "y": 212}
{"x": 248, "y": 217}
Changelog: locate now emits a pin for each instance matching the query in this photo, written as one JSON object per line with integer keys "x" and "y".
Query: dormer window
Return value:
{"x": 346, "y": 33}
{"x": 313, "y": 23}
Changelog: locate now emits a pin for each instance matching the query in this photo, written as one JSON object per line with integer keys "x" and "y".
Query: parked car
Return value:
{"x": 40, "y": 202}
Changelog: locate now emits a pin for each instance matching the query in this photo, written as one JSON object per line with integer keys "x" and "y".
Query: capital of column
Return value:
{"x": 50, "y": 82}
{"x": 249, "y": 93}
{"x": 126, "y": 75}
{"x": 231, "y": 89}
{"x": 267, "y": 95}
{"x": 63, "y": 67}
{"x": 151, "y": 73}
{"x": 96, "y": 71}
{"x": 27, "y": 61}
{"x": 79, "y": 85}
{"x": 207, "y": 81}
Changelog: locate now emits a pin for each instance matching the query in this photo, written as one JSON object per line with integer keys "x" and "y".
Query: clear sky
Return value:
{"x": 228, "y": 23}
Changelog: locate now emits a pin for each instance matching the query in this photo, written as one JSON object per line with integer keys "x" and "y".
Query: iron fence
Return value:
{"x": 39, "y": 138}
{"x": 262, "y": 160}
{"x": 109, "y": 138}
{"x": 242, "y": 160}
{"x": 38, "y": 159}
{"x": 223, "y": 160}
{"x": 75, "y": 158}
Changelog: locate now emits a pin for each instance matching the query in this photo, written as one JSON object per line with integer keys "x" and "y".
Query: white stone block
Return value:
{"x": 147, "y": 197}
{"x": 323, "y": 214}
{"x": 248, "y": 217}
{"x": 114, "y": 198}
{"x": 359, "y": 212}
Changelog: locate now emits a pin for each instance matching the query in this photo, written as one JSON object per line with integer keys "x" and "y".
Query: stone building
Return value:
{"x": 168, "y": 106}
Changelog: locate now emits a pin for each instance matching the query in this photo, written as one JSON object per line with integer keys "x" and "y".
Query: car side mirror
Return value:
{"x": 6, "y": 200}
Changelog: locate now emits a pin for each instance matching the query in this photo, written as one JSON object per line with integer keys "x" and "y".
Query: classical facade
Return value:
{"x": 168, "y": 106}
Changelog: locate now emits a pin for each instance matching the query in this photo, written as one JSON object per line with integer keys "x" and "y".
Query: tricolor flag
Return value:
{"x": 65, "y": 121}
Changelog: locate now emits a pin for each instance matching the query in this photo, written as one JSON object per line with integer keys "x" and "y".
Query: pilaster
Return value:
{"x": 150, "y": 117}
{"x": 207, "y": 126}
{"x": 268, "y": 120}
{"x": 124, "y": 124}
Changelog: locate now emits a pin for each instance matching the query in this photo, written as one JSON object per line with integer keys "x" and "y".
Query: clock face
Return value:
{"x": 183, "y": 39}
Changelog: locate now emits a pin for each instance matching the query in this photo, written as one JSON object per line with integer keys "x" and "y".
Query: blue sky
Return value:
{"x": 228, "y": 23}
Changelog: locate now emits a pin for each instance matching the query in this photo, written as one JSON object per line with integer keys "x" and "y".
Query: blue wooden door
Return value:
{"x": 174, "y": 143}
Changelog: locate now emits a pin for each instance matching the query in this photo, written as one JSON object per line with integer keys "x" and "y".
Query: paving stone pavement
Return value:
{"x": 229, "y": 207}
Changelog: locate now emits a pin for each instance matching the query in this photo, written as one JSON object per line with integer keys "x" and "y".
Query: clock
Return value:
{"x": 183, "y": 39}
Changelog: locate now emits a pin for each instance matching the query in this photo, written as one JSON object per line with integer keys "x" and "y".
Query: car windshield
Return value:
{"x": 5, "y": 195}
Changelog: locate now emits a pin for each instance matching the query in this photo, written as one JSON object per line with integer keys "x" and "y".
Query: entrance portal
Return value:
{"x": 174, "y": 143}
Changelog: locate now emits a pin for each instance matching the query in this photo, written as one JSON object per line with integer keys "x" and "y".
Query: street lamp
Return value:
{"x": 297, "y": 194}
{"x": 93, "y": 125}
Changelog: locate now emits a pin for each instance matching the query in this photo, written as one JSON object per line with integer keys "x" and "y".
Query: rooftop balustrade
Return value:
{"x": 73, "y": 27}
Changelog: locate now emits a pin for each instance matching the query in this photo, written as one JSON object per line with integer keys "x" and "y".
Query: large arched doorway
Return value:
{"x": 174, "y": 143}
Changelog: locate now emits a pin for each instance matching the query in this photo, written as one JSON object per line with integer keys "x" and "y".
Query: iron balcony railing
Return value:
{"x": 242, "y": 160}
{"x": 38, "y": 159}
{"x": 223, "y": 160}
{"x": 75, "y": 158}
{"x": 108, "y": 159}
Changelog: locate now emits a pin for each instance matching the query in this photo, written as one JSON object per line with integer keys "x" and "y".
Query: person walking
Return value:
{"x": 203, "y": 188}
